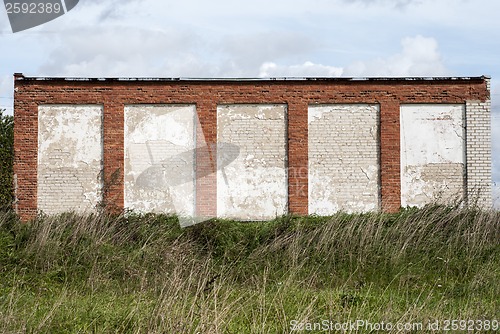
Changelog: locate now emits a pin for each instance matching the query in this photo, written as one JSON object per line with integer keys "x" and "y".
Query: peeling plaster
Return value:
{"x": 69, "y": 157}
{"x": 343, "y": 158}
{"x": 160, "y": 158}
{"x": 253, "y": 186}
{"x": 432, "y": 153}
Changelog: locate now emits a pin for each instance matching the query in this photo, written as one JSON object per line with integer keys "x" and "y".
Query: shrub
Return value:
{"x": 6, "y": 160}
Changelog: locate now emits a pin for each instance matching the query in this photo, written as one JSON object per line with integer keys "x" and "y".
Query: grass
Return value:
{"x": 144, "y": 274}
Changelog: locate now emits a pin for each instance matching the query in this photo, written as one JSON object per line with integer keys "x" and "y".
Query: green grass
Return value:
{"x": 144, "y": 274}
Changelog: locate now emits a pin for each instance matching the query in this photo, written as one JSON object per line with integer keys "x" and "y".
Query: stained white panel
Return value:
{"x": 160, "y": 158}
{"x": 254, "y": 185}
{"x": 343, "y": 158}
{"x": 432, "y": 153}
{"x": 69, "y": 157}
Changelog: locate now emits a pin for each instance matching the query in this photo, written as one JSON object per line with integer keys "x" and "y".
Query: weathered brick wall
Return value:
{"x": 343, "y": 158}
{"x": 478, "y": 137}
{"x": 254, "y": 185}
{"x": 69, "y": 158}
{"x": 159, "y": 153}
{"x": 297, "y": 95}
{"x": 432, "y": 153}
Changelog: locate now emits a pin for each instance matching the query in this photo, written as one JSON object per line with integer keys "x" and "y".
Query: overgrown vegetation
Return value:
{"x": 6, "y": 160}
{"x": 144, "y": 274}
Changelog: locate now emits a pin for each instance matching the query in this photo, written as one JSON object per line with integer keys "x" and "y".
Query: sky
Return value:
{"x": 272, "y": 38}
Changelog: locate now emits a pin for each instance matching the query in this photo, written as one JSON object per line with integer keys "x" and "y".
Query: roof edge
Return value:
{"x": 22, "y": 77}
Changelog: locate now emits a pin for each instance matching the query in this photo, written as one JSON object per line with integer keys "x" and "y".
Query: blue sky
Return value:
{"x": 222, "y": 38}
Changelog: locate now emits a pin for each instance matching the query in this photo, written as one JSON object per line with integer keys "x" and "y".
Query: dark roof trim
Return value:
{"x": 20, "y": 76}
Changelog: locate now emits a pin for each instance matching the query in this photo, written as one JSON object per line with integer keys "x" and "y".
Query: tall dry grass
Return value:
{"x": 144, "y": 274}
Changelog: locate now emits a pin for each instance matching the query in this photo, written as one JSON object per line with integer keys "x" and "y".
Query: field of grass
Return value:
{"x": 144, "y": 274}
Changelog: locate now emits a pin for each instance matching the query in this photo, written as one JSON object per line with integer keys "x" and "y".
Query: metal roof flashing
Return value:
{"x": 22, "y": 77}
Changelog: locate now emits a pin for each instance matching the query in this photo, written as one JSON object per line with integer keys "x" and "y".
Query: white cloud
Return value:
{"x": 245, "y": 53}
{"x": 419, "y": 56}
{"x": 168, "y": 52}
{"x": 308, "y": 69}
{"x": 124, "y": 51}
{"x": 395, "y": 3}
{"x": 97, "y": 11}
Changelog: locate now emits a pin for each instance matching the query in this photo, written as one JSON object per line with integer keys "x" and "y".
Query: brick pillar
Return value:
{"x": 390, "y": 163}
{"x": 26, "y": 155}
{"x": 113, "y": 132}
{"x": 297, "y": 158}
{"x": 478, "y": 133}
{"x": 206, "y": 159}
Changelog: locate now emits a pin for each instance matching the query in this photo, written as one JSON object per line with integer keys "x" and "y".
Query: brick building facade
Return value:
{"x": 304, "y": 146}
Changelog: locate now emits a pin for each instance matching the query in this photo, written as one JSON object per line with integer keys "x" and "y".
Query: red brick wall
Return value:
{"x": 206, "y": 95}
